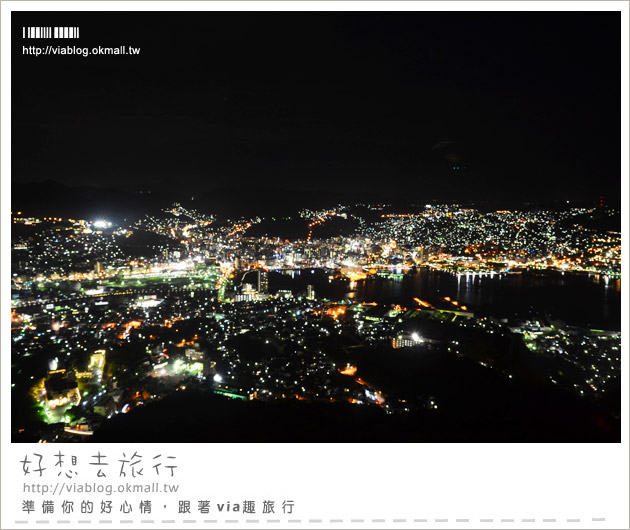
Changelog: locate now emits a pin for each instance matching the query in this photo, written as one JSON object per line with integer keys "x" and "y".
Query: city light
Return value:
{"x": 279, "y": 316}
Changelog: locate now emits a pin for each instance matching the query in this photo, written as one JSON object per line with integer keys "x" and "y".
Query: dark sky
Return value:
{"x": 524, "y": 104}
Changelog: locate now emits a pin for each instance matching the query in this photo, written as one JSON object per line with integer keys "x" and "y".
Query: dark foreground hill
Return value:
{"x": 199, "y": 416}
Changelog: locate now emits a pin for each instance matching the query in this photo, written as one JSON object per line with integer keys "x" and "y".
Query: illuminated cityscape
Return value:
{"x": 318, "y": 227}
{"x": 104, "y": 323}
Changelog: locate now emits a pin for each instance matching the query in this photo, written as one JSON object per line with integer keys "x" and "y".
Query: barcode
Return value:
{"x": 56, "y": 32}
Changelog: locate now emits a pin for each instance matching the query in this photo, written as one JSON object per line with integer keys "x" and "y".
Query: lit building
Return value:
{"x": 97, "y": 363}
{"x": 194, "y": 355}
{"x": 247, "y": 294}
{"x": 60, "y": 388}
{"x": 310, "y": 292}
{"x": 95, "y": 367}
{"x": 406, "y": 340}
{"x": 262, "y": 282}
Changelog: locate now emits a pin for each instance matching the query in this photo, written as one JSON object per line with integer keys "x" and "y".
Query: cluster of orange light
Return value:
{"x": 336, "y": 312}
{"x": 422, "y": 303}
{"x": 239, "y": 228}
{"x": 355, "y": 276}
{"x": 455, "y": 303}
{"x": 379, "y": 398}
{"x": 348, "y": 370}
{"x": 134, "y": 324}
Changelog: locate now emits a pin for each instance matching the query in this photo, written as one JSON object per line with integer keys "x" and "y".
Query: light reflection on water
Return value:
{"x": 581, "y": 299}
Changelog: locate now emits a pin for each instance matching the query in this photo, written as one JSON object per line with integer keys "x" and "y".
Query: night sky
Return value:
{"x": 446, "y": 105}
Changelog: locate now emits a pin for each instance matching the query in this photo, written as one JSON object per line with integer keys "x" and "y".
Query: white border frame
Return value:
{"x": 432, "y": 481}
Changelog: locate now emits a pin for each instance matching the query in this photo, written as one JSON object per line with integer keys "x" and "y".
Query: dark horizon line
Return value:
{"x": 396, "y": 196}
